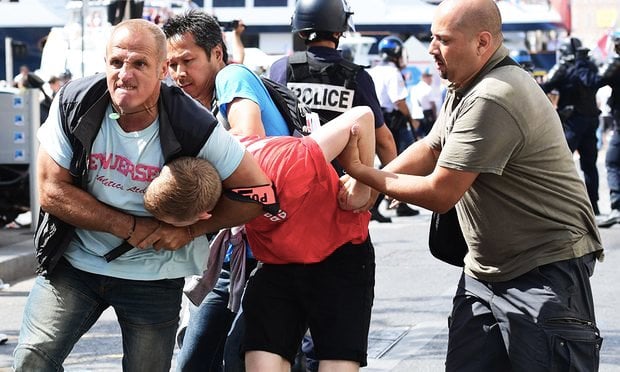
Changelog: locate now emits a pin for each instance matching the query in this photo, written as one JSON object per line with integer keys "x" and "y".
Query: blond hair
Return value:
{"x": 185, "y": 188}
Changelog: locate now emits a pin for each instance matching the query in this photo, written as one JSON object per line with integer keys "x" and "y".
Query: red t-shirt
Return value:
{"x": 310, "y": 225}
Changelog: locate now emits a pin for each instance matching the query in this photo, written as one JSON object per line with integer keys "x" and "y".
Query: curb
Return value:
{"x": 17, "y": 260}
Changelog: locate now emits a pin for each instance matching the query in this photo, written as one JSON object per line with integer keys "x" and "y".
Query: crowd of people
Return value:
{"x": 177, "y": 163}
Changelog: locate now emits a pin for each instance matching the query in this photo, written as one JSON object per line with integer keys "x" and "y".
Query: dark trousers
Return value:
{"x": 580, "y": 132}
{"x": 540, "y": 321}
{"x": 612, "y": 165}
{"x": 400, "y": 128}
{"x": 426, "y": 123}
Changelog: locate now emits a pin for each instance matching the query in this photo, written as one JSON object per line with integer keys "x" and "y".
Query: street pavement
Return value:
{"x": 412, "y": 300}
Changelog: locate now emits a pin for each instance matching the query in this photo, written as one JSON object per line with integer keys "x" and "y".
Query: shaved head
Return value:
{"x": 138, "y": 26}
{"x": 466, "y": 34}
{"x": 474, "y": 16}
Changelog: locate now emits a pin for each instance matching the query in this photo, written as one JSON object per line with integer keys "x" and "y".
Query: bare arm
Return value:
{"x": 60, "y": 197}
{"x": 238, "y": 50}
{"x": 244, "y": 117}
{"x": 386, "y": 147}
{"x": 414, "y": 177}
{"x": 404, "y": 109}
{"x": 418, "y": 159}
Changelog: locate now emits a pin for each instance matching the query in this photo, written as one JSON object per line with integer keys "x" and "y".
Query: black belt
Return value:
{"x": 118, "y": 251}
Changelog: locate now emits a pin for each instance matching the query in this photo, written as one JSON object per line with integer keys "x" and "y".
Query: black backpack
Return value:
{"x": 296, "y": 114}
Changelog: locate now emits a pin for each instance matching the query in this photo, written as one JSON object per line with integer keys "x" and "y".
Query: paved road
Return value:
{"x": 413, "y": 294}
{"x": 408, "y": 330}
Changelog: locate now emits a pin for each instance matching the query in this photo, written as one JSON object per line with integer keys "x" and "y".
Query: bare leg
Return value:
{"x": 338, "y": 366}
{"x": 262, "y": 361}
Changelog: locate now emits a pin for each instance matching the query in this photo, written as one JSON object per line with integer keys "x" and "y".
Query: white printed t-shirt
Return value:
{"x": 121, "y": 166}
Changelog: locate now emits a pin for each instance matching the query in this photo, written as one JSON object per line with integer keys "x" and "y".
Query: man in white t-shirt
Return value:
{"x": 106, "y": 138}
{"x": 426, "y": 97}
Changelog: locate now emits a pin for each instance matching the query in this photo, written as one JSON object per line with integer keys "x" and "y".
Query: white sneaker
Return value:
{"x": 611, "y": 219}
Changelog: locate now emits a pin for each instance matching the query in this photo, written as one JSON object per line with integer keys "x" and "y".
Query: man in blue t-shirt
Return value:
{"x": 199, "y": 65}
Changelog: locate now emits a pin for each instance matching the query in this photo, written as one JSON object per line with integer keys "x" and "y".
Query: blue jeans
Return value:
{"x": 64, "y": 305}
{"x": 205, "y": 336}
{"x": 208, "y": 328}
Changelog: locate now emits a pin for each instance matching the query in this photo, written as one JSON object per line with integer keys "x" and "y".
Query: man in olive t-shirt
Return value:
{"x": 498, "y": 153}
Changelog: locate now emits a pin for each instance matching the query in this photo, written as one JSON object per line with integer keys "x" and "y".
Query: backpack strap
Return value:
{"x": 290, "y": 107}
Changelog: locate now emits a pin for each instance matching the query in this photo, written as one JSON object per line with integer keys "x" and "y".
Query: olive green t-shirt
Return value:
{"x": 528, "y": 207}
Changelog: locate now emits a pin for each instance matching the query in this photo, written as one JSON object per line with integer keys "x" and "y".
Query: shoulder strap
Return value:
{"x": 350, "y": 70}
{"x": 185, "y": 120}
{"x": 298, "y": 68}
{"x": 289, "y": 106}
{"x": 298, "y": 57}
{"x": 507, "y": 61}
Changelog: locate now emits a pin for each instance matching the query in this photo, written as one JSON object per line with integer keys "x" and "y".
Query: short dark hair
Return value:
{"x": 204, "y": 28}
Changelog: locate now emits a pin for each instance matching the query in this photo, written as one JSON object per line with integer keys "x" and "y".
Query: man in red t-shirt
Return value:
{"x": 309, "y": 247}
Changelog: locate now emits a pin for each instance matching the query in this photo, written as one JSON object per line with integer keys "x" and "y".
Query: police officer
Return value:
{"x": 575, "y": 79}
{"x": 610, "y": 75}
{"x": 392, "y": 92}
{"x": 323, "y": 79}
{"x": 524, "y": 59}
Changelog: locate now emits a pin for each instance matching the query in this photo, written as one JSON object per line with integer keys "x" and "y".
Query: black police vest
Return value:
{"x": 327, "y": 88}
{"x": 578, "y": 95}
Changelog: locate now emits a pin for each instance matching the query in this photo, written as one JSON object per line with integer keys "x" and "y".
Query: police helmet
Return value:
{"x": 569, "y": 47}
{"x": 322, "y": 15}
{"x": 523, "y": 57}
{"x": 615, "y": 37}
{"x": 390, "y": 48}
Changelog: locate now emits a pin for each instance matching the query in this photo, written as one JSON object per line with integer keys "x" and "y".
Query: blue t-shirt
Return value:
{"x": 237, "y": 81}
{"x": 365, "y": 94}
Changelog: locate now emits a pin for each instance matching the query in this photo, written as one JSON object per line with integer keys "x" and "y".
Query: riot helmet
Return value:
{"x": 322, "y": 15}
{"x": 615, "y": 37}
{"x": 523, "y": 58}
{"x": 391, "y": 49}
{"x": 568, "y": 49}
